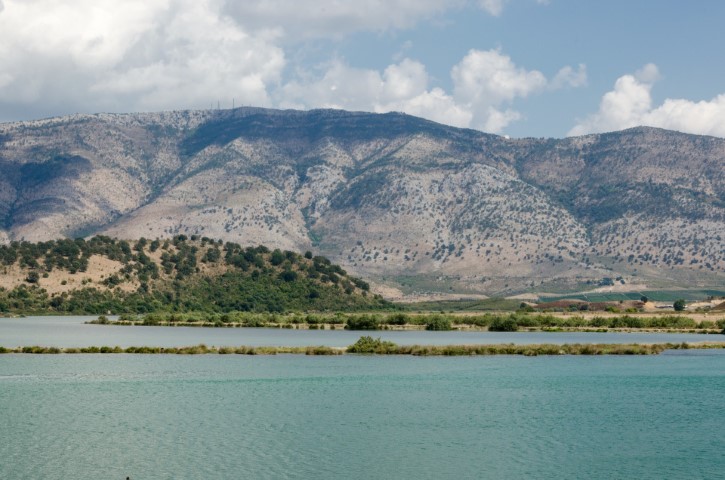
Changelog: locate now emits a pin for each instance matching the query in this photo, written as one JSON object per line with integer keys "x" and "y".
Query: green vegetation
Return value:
{"x": 438, "y": 322}
{"x": 651, "y": 295}
{"x": 193, "y": 350}
{"x": 372, "y": 345}
{"x": 679, "y": 305}
{"x": 504, "y": 324}
{"x": 363, "y": 322}
{"x": 369, "y": 345}
{"x": 489, "y": 304}
{"x": 180, "y": 275}
{"x": 501, "y": 322}
{"x": 526, "y": 350}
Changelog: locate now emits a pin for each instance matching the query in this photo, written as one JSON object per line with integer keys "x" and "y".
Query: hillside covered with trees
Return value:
{"x": 103, "y": 274}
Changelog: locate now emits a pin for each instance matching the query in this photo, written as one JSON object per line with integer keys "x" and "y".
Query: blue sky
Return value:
{"x": 514, "y": 67}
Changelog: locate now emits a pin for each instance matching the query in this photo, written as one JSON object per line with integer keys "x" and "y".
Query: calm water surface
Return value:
{"x": 367, "y": 417}
{"x": 72, "y": 332}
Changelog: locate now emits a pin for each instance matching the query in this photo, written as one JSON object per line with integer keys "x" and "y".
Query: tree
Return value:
{"x": 503, "y": 325}
{"x": 679, "y": 305}
{"x": 277, "y": 257}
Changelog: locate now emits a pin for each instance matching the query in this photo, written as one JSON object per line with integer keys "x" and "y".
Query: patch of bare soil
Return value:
{"x": 59, "y": 281}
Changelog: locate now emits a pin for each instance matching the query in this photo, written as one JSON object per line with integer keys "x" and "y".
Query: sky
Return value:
{"x": 524, "y": 68}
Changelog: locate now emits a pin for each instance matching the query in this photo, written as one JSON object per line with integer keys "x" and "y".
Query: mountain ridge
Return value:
{"x": 401, "y": 200}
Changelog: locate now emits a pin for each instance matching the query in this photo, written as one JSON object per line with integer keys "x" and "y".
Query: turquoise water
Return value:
{"x": 367, "y": 417}
{"x": 72, "y": 332}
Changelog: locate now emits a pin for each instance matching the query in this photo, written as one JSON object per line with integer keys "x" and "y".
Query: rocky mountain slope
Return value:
{"x": 396, "y": 199}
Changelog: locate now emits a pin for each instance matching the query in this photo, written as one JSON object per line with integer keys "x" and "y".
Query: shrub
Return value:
{"x": 503, "y": 325}
{"x": 363, "y": 322}
{"x": 438, "y": 322}
{"x": 397, "y": 319}
{"x": 369, "y": 344}
{"x": 288, "y": 276}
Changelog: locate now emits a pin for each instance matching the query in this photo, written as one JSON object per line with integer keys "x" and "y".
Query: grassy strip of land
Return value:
{"x": 496, "y": 322}
{"x": 369, "y": 345}
{"x": 191, "y": 350}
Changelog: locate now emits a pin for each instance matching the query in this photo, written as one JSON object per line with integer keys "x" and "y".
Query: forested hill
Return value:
{"x": 102, "y": 275}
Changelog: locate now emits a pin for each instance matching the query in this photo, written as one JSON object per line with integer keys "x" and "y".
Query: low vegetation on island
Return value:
{"x": 375, "y": 346}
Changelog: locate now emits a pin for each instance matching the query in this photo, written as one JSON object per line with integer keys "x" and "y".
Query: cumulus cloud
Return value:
{"x": 195, "y": 54}
{"x": 568, "y": 77}
{"x": 494, "y": 7}
{"x": 485, "y": 80}
{"x": 301, "y": 19}
{"x": 297, "y": 19}
{"x": 492, "y": 77}
{"x": 131, "y": 55}
{"x": 142, "y": 55}
{"x": 485, "y": 83}
{"x": 400, "y": 87}
{"x": 648, "y": 74}
{"x": 629, "y": 104}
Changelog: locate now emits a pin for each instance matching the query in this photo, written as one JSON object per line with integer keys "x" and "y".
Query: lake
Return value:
{"x": 361, "y": 417}
{"x": 71, "y": 331}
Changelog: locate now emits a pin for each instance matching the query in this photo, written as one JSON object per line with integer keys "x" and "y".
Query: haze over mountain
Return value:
{"x": 394, "y": 198}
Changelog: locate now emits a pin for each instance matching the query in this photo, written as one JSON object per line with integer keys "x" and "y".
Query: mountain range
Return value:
{"x": 409, "y": 204}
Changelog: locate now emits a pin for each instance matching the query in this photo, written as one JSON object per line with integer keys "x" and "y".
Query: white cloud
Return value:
{"x": 314, "y": 18}
{"x": 434, "y": 105}
{"x": 198, "y": 53}
{"x": 303, "y": 19}
{"x": 131, "y": 55}
{"x": 494, "y": 7}
{"x": 401, "y": 87}
{"x": 492, "y": 77}
{"x": 630, "y": 105}
{"x": 139, "y": 55}
{"x": 648, "y": 74}
{"x": 568, "y": 77}
{"x": 485, "y": 80}
{"x": 496, "y": 120}
{"x": 5, "y": 79}
{"x": 485, "y": 84}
